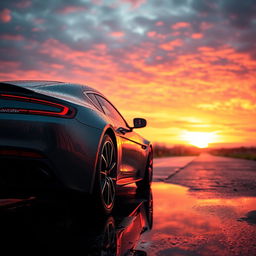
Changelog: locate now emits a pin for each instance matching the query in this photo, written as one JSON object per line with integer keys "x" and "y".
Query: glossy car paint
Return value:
{"x": 68, "y": 146}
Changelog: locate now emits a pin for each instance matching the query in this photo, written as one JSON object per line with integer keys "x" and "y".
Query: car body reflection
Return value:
{"x": 56, "y": 227}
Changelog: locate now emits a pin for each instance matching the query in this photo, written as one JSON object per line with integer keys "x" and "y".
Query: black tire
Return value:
{"x": 105, "y": 180}
{"x": 145, "y": 183}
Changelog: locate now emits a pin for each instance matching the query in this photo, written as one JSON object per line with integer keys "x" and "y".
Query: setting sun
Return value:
{"x": 199, "y": 139}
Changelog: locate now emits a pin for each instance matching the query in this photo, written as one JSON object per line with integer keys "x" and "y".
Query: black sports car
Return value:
{"x": 58, "y": 136}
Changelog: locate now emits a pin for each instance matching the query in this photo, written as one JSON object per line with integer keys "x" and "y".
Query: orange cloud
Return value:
{"x": 171, "y": 45}
{"x": 5, "y": 16}
{"x": 12, "y": 37}
{"x": 197, "y": 35}
{"x": 151, "y": 33}
{"x": 154, "y": 34}
{"x": 117, "y": 34}
{"x": 135, "y": 3}
{"x": 181, "y": 25}
{"x": 101, "y": 47}
{"x": 205, "y": 25}
{"x": 159, "y": 23}
{"x": 10, "y": 65}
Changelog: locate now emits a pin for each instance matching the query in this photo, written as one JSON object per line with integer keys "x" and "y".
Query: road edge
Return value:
{"x": 179, "y": 169}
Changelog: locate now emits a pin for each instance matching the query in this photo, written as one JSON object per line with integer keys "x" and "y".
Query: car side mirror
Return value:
{"x": 139, "y": 122}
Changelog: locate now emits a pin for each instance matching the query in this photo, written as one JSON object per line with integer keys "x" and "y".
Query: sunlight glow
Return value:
{"x": 199, "y": 139}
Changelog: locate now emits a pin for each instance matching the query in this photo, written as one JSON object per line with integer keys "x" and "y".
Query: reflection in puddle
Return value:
{"x": 183, "y": 225}
{"x": 186, "y": 225}
{"x": 55, "y": 228}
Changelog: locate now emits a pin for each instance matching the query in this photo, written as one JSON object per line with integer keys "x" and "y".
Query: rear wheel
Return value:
{"x": 145, "y": 183}
{"x": 105, "y": 181}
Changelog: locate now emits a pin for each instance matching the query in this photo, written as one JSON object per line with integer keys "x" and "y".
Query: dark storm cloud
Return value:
{"x": 240, "y": 13}
{"x": 204, "y": 6}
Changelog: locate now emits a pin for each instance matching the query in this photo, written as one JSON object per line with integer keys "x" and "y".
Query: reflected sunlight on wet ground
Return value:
{"x": 183, "y": 224}
{"x": 187, "y": 225}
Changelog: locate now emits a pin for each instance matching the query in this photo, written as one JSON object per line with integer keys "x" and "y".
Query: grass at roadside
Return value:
{"x": 239, "y": 155}
{"x": 178, "y": 150}
{"x": 243, "y": 153}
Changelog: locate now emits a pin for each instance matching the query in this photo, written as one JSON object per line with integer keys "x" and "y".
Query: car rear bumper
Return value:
{"x": 58, "y": 153}
{"x": 22, "y": 175}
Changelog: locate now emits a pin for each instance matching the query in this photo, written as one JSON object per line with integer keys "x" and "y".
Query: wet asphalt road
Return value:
{"x": 214, "y": 176}
{"x": 211, "y": 209}
{"x": 202, "y": 205}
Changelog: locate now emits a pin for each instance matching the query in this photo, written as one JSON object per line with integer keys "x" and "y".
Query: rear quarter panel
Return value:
{"x": 70, "y": 146}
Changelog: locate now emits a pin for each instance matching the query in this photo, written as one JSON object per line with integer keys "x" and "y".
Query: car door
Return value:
{"x": 133, "y": 151}
{"x": 134, "y": 154}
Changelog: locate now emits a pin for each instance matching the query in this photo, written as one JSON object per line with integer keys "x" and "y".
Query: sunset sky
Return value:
{"x": 187, "y": 66}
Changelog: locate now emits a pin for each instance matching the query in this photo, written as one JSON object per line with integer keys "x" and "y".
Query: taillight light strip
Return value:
{"x": 19, "y": 152}
{"x": 64, "y": 110}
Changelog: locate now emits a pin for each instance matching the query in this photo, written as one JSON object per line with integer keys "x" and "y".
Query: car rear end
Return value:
{"x": 43, "y": 147}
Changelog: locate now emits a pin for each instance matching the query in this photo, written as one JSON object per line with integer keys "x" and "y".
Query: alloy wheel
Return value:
{"x": 107, "y": 173}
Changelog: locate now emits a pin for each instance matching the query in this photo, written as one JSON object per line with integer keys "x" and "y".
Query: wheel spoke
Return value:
{"x": 112, "y": 167}
{"x": 104, "y": 160}
{"x": 104, "y": 185}
{"x": 106, "y": 154}
{"x": 110, "y": 153}
{"x": 108, "y": 192}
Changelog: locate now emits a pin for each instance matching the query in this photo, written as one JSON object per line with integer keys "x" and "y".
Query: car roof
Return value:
{"x": 43, "y": 84}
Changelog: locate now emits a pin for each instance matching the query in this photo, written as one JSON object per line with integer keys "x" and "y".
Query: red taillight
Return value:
{"x": 21, "y": 153}
{"x": 62, "y": 110}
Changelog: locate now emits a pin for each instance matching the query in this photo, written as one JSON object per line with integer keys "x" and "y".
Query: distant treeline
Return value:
{"x": 241, "y": 152}
{"x": 179, "y": 150}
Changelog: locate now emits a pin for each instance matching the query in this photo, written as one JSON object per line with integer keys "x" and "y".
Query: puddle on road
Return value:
{"x": 186, "y": 225}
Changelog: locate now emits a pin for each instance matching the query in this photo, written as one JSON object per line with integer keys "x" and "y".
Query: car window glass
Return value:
{"x": 94, "y": 100}
{"x": 110, "y": 110}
